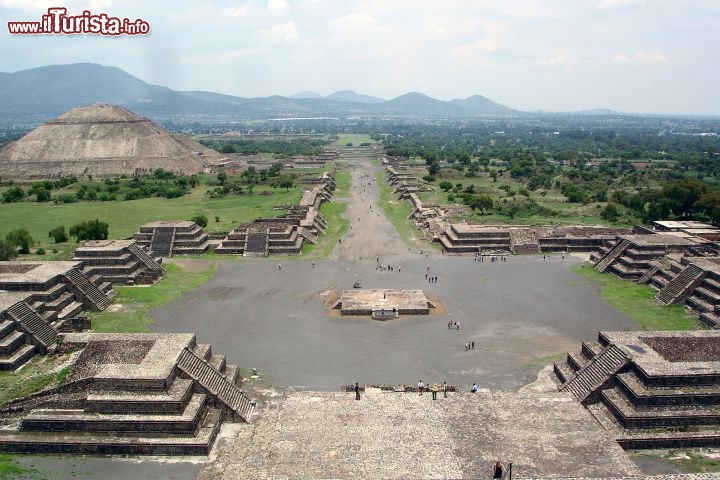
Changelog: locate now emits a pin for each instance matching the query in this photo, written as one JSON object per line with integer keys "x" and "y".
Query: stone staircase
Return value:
{"x": 216, "y": 383}
{"x": 611, "y": 256}
{"x": 645, "y": 279}
{"x": 162, "y": 241}
{"x": 14, "y": 349}
{"x": 256, "y": 243}
{"x": 596, "y": 373}
{"x": 43, "y": 334}
{"x": 91, "y": 295}
{"x": 681, "y": 285}
{"x": 149, "y": 262}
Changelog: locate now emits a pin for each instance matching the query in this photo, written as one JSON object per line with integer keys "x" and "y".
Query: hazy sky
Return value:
{"x": 654, "y": 56}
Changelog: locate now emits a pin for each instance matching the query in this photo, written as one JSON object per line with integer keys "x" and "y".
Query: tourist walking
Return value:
{"x": 357, "y": 391}
{"x": 445, "y": 389}
{"x": 472, "y": 345}
{"x": 434, "y": 390}
{"x": 498, "y": 470}
{"x": 474, "y": 388}
{"x": 421, "y": 387}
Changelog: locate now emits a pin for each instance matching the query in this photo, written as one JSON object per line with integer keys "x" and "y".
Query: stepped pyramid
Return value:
{"x": 102, "y": 141}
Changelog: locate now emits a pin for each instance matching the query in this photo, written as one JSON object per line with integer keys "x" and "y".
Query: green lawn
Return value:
{"x": 40, "y": 372}
{"x": 637, "y": 302}
{"x": 397, "y": 211}
{"x": 333, "y": 213}
{"x": 565, "y": 213}
{"x": 136, "y": 302}
{"x": 126, "y": 218}
{"x": 693, "y": 462}
{"x": 355, "y": 138}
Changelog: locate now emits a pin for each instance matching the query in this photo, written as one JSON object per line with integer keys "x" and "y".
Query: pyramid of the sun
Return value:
{"x": 102, "y": 141}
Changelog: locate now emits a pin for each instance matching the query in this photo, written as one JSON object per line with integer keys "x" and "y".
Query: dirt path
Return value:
{"x": 371, "y": 234}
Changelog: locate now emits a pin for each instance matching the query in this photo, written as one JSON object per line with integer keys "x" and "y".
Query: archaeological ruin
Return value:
{"x": 383, "y": 304}
{"x": 130, "y": 394}
{"x": 301, "y": 224}
{"x": 40, "y": 299}
{"x": 165, "y": 239}
{"x": 102, "y": 141}
{"x": 649, "y": 389}
{"x": 118, "y": 261}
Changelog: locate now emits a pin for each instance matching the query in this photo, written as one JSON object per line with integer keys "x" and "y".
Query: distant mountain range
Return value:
{"x": 38, "y": 94}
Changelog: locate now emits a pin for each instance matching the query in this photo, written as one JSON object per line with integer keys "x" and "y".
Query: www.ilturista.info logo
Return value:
{"x": 58, "y": 22}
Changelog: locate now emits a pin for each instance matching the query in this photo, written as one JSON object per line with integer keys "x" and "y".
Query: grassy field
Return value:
{"x": 40, "y": 372}
{"x": 135, "y": 302}
{"x": 126, "y": 218}
{"x": 333, "y": 213}
{"x": 637, "y": 302}
{"x": 397, "y": 211}
{"x": 565, "y": 213}
{"x": 355, "y": 138}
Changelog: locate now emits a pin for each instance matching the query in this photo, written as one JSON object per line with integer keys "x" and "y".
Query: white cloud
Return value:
{"x": 642, "y": 56}
{"x": 283, "y": 33}
{"x": 236, "y": 12}
{"x": 278, "y": 7}
{"x": 608, "y": 4}
{"x": 655, "y": 56}
{"x": 354, "y": 21}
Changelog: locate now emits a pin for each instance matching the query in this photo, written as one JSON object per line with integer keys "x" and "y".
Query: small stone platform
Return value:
{"x": 136, "y": 394}
{"x": 383, "y": 303}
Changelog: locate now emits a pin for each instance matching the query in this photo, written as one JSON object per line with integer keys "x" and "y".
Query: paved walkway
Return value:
{"x": 406, "y": 435}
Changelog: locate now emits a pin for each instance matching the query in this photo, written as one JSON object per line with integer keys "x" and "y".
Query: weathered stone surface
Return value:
{"x": 405, "y": 435}
{"x": 101, "y": 140}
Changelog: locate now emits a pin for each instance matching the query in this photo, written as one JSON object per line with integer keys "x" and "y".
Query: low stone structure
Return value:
{"x": 650, "y": 389}
{"x": 136, "y": 394}
{"x": 283, "y": 235}
{"x": 38, "y": 300}
{"x": 694, "y": 281}
{"x": 118, "y": 261}
{"x": 630, "y": 256}
{"x": 683, "y": 268}
{"x": 165, "y": 239}
{"x": 502, "y": 239}
{"x": 383, "y": 304}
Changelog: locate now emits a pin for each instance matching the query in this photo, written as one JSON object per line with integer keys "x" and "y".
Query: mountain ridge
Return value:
{"x": 41, "y": 93}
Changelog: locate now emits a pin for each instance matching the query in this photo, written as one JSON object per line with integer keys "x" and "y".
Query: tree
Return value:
{"x": 43, "y": 195}
{"x": 92, "y": 230}
{"x": 433, "y": 168}
{"x": 610, "y": 213}
{"x": 222, "y": 178}
{"x": 7, "y": 251}
{"x": 13, "y": 194}
{"x": 445, "y": 186}
{"x": 480, "y": 202}
{"x": 20, "y": 238}
{"x": 58, "y": 234}
{"x": 201, "y": 220}
{"x": 286, "y": 183}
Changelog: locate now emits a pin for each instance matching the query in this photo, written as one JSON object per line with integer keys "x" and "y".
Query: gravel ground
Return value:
{"x": 518, "y": 313}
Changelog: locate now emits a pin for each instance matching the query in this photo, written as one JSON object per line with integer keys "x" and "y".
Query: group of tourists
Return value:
{"x": 493, "y": 258}
{"x": 470, "y": 345}
{"x": 434, "y": 389}
{"x": 453, "y": 325}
